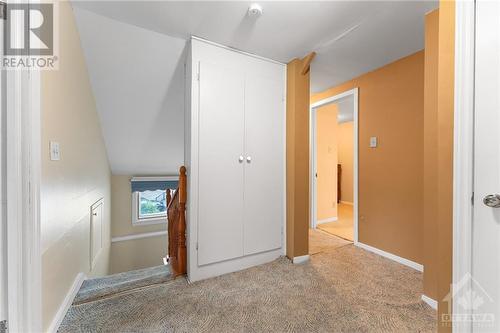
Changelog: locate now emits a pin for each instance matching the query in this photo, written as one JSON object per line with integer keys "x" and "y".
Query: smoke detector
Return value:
{"x": 255, "y": 10}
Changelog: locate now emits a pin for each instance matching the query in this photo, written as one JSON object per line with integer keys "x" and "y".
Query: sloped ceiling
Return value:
{"x": 134, "y": 50}
{"x": 137, "y": 77}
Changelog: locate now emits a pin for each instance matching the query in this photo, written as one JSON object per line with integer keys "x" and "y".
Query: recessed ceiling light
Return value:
{"x": 255, "y": 10}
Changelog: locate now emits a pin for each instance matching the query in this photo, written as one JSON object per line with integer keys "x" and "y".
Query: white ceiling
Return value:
{"x": 378, "y": 32}
{"x": 133, "y": 50}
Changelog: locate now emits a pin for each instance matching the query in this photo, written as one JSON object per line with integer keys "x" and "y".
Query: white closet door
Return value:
{"x": 220, "y": 192}
{"x": 264, "y": 155}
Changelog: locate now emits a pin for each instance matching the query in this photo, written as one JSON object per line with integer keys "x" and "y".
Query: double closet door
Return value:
{"x": 241, "y": 163}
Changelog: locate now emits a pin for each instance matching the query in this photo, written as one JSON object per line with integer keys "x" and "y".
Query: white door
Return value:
{"x": 221, "y": 150}
{"x": 263, "y": 214}
{"x": 486, "y": 221}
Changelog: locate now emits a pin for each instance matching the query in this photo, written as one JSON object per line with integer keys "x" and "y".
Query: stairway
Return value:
{"x": 97, "y": 288}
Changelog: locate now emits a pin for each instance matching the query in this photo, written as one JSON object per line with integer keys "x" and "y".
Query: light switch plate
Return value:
{"x": 373, "y": 142}
{"x": 55, "y": 152}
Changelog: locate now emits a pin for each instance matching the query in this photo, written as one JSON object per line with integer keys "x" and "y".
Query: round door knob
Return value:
{"x": 240, "y": 159}
{"x": 492, "y": 200}
{"x": 249, "y": 159}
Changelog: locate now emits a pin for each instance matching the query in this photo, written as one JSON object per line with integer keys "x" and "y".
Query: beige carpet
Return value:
{"x": 320, "y": 241}
{"x": 344, "y": 226}
{"x": 345, "y": 289}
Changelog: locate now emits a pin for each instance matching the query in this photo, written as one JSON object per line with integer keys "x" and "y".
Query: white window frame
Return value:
{"x": 136, "y": 221}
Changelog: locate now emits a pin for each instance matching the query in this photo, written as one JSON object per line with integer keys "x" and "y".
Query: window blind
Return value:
{"x": 153, "y": 185}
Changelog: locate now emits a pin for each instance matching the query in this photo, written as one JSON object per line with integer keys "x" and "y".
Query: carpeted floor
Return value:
{"x": 344, "y": 289}
{"x": 344, "y": 226}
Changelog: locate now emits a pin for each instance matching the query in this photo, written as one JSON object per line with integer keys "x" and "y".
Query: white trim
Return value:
{"x": 431, "y": 302}
{"x": 300, "y": 259}
{"x": 312, "y": 156}
{"x": 284, "y": 230}
{"x": 401, "y": 260}
{"x": 138, "y": 236}
{"x": 237, "y": 50}
{"x": 330, "y": 219}
{"x": 347, "y": 203}
{"x": 66, "y": 304}
{"x": 463, "y": 152}
{"x": 151, "y": 221}
{"x": 23, "y": 199}
{"x": 154, "y": 179}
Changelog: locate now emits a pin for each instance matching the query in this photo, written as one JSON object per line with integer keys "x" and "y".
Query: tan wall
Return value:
{"x": 346, "y": 159}
{"x": 430, "y": 154}
{"x": 391, "y": 175}
{"x": 70, "y": 186}
{"x": 297, "y": 167}
{"x": 445, "y": 105}
{"x": 326, "y": 159}
{"x": 132, "y": 254}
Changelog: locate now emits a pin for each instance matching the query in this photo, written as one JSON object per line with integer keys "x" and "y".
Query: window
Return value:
{"x": 149, "y": 199}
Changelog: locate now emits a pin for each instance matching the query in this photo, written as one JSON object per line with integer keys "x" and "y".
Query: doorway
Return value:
{"x": 334, "y": 172}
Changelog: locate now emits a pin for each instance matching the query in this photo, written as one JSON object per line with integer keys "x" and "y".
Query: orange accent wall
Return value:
{"x": 430, "y": 206}
{"x": 297, "y": 161}
{"x": 445, "y": 107}
{"x": 327, "y": 159}
{"x": 391, "y": 104}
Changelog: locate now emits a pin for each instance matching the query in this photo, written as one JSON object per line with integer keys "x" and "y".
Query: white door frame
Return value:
{"x": 24, "y": 310}
{"x": 313, "y": 156}
{"x": 463, "y": 155}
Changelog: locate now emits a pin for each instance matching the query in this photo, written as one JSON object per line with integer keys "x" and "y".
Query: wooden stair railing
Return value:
{"x": 176, "y": 212}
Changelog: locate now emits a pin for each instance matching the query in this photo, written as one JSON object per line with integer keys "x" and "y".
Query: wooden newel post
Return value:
{"x": 182, "y": 252}
{"x": 177, "y": 253}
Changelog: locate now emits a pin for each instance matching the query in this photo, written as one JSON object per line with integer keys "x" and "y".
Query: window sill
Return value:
{"x": 152, "y": 221}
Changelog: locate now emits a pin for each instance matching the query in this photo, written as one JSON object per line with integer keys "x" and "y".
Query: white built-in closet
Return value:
{"x": 235, "y": 141}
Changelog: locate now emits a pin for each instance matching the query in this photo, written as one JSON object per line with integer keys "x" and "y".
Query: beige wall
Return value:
{"x": 346, "y": 159}
{"x": 326, "y": 159}
{"x": 390, "y": 176}
{"x": 430, "y": 154}
{"x": 297, "y": 163}
{"x": 138, "y": 253}
{"x": 70, "y": 186}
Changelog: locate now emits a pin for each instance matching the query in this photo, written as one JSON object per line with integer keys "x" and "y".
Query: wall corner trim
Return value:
{"x": 401, "y": 260}
{"x": 300, "y": 259}
{"x": 66, "y": 304}
{"x": 431, "y": 302}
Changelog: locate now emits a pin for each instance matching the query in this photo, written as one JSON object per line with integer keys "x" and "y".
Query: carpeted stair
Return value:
{"x": 93, "y": 289}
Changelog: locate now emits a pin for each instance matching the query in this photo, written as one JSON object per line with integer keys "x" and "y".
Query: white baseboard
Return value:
{"x": 301, "y": 259}
{"x": 391, "y": 256}
{"x": 65, "y": 305}
{"x": 330, "y": 219}
{"x": 431, "y": 302}
{"x": 347, "y": 203}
